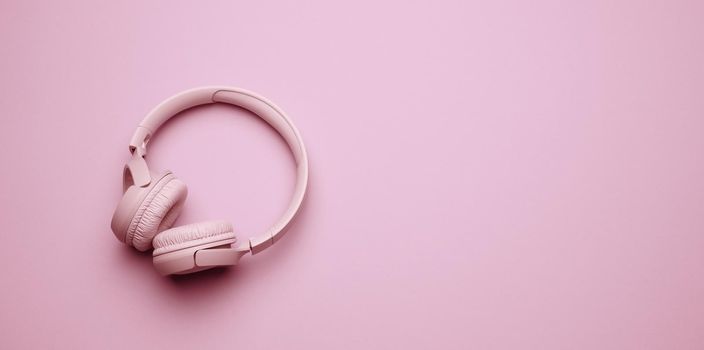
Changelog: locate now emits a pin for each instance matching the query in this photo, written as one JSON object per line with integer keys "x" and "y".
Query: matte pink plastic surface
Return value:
{"x": 185, "y": 260}
{"x": 500, "y": 175}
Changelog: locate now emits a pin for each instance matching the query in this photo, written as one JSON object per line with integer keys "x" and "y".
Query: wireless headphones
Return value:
{"x": 151, "y": 202}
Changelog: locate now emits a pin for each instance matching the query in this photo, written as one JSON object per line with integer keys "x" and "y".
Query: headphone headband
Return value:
{"x": 138, "y": 172}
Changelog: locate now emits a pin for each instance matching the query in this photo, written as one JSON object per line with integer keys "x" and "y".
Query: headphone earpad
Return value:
{"x": 192, "y": 235}
{"x": 157, "y": 212}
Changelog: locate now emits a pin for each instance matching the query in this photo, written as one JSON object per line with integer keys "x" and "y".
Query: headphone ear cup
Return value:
{"x": 192, "y": 235}
{"x": 195, "y": 247}
{"x": 157, "y": 211}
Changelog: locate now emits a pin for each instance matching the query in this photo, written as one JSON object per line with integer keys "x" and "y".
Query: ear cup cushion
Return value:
{"x": 192, "y": 235}
{"x": 157, "y": 212}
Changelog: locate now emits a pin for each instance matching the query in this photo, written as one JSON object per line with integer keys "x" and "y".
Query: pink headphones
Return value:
{"x": 152, "y": 202}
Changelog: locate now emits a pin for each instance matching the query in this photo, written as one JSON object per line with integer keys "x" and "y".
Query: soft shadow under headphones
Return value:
{"x": 152, "y": 201}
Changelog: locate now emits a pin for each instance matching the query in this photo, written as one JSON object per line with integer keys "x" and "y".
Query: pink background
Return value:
{"x": 495, "y": 175}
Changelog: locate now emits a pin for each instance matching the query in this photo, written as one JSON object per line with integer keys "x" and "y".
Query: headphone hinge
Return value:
{"x": 138, "y": 142}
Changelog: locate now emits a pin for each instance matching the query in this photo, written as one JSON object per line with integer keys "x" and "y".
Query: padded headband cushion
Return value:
{"x": 157, "y": 212}
{"x": 188, "y": 236}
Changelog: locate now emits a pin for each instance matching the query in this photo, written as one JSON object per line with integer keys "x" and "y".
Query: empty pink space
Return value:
{"x": 483, "y": 175}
